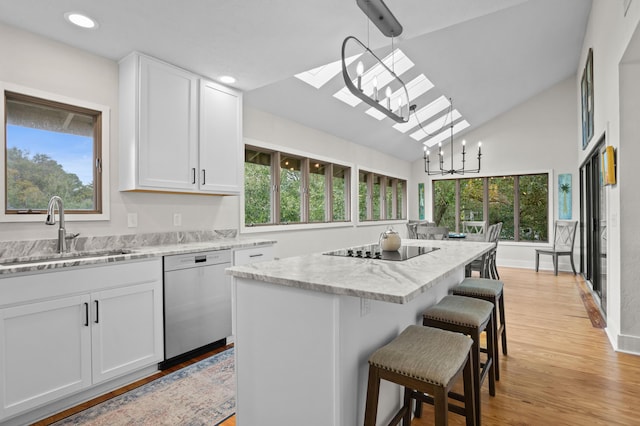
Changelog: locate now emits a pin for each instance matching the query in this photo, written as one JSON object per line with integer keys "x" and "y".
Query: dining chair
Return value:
{"x": 432, "y": 232}
{"x": 412, "y": 227}
{"x": 473, "y": 227}
{"x": 563, "y": 239}
{"x": 486, "y": 265}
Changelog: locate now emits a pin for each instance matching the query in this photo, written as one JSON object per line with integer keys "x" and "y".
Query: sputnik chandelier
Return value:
{"x": 441, "y": 170}
{"x": 395, "y": 102}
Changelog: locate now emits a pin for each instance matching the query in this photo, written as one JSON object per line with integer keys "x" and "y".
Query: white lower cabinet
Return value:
{"x": 45, "y": 352}
{"x": 62, "y": 343}
{"x": 126, "y": 330}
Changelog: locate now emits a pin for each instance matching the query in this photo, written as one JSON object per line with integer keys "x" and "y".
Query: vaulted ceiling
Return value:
{"x": 488, "y": 56}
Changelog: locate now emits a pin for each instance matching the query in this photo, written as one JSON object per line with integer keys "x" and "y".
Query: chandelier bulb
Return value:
{"x": 375, "y": 88}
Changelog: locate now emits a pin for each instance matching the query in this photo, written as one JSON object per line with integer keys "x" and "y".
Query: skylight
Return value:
{"x": 436, "y": 125}
{"x": 416, "y": 88}
{"x": 424, "y": 114}
{"x": 446, "y": 133}
{"x": 321, "y": 75}
{"x": 439, "y": 128}
{"x": 396, "y": 61}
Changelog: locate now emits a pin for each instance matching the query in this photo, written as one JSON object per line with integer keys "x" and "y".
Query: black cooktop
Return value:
{"x": 373, "y": 251}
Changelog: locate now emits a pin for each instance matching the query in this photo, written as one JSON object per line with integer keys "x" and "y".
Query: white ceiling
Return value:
{"x": 488, "y": 55}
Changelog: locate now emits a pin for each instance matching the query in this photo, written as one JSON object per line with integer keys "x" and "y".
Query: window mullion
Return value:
{"x": 275, "y": 187}
{"x": 457, "y": 205}
{"x": 516, "y": 208}
{"x": 328, "y": 192}
{"x": 304, "y": 190}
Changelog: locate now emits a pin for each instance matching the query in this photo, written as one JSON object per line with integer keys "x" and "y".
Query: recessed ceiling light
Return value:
{"x": 81, "y": 20}
{"x": 227, "y": 79}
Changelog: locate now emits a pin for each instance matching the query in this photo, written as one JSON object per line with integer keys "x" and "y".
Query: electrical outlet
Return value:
{"x": 132, "y": 220}
{"x": 177, "y": 219}
{"x": 365, "y": 306}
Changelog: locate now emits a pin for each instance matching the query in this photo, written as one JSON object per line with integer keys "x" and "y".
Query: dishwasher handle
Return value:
{"x": 196, "y": 260}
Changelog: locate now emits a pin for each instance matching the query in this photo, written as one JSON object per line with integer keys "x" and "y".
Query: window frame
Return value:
{"x": 383, "y": 183}
{"x": 551, "y": 190}
{"x": 306, "y": 161}
{"x": 101, "y": 182}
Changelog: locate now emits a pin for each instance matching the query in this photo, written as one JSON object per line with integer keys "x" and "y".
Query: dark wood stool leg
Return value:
{"x": 406, "y": 420}
{"x": 469, "y": 403}
{"x": 373, "y": 389}
{"x": 491, "y": 339}
{"x": 495, "y": 333}
{"x": 475, "y": 360}
{"x": 440, "y": 407}
{"x": 503, "y": 324}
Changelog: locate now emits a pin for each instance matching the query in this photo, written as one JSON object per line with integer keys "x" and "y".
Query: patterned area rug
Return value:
{"x": 200, "y": 394}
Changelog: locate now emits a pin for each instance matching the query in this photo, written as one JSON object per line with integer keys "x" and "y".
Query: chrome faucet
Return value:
{"x": 51, "y": 220}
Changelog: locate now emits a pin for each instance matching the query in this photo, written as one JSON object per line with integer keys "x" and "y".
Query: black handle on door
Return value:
{"x": 204, "y": 177}
{"x": 200, "y": 259}
{"x": 97, "y": 312}
{"x": 193, "y": 173}
{"x": 86, "y": 314}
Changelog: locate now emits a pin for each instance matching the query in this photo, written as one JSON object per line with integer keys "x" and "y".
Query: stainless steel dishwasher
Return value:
{"x": 197, "y": 304}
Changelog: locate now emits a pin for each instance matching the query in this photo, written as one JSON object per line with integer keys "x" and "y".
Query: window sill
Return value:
{"x": 310, "y": 226}
{"x": 293, "y": 227}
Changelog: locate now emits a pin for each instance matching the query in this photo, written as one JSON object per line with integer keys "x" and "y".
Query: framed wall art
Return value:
{"x": 586, "y": 96}
{"x": 564, "y": 196}
{"x": 421, "y": 201}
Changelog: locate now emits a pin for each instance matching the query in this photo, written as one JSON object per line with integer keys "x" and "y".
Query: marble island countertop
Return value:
{"x": 34, "y": 256}
{"x": 390, "y": 281}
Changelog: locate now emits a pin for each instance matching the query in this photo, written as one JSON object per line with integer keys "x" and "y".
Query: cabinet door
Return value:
{"x": 45, "y": 352}
{"x": 220, "y": 147}
{"x": 126, "y": 329}
{"x": 167, "y": 148}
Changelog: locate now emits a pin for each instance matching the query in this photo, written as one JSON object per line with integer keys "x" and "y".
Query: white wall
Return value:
{"x": 615, "y": 40}
{"x": 39, "y": 63}
{"x": 536, "y": 136}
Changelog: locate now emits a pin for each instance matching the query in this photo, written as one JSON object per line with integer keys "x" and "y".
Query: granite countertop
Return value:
{"x": 389, "y": 281}
{"x": 102, "y": 250}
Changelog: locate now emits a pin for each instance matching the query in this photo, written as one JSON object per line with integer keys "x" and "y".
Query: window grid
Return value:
{"x": 42, "y": 115}
{"x": 503, "y": 193}
{"x": 296, "y": 195}
{"x": 385, "y": 197}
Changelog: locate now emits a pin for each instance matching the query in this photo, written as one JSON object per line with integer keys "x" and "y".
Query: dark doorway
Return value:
{"x": 593, "y": 224}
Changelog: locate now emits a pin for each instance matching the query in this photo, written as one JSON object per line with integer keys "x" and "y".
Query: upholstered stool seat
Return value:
{"x": 469, "y": 316}
{"x": 424, "y": 360}
{"x": 491, "y": 291}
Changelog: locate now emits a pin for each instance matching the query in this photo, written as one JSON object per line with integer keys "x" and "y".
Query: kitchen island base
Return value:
{"x": 301, "y": 356}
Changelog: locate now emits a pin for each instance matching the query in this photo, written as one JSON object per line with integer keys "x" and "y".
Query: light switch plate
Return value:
{"x": 132, "y": 220}
{"x": 177, "y": 219}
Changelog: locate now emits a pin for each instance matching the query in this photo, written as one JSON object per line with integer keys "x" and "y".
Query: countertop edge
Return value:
{"x": 136, "y": 253}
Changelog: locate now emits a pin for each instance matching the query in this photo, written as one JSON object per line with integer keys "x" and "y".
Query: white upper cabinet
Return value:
{"x": 220, "y": 138}
{"x": 174, "y": 137}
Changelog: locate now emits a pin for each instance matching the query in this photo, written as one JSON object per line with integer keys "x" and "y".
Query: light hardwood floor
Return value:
{"x": 561, "y": 369}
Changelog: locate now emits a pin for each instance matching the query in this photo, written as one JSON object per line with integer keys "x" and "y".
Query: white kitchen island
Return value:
{"x": 305, "y": 327}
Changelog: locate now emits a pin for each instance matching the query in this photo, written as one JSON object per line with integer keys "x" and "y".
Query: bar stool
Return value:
{"x": 491, "y": 291}
{"x": 468, "y": 316}
{"x": 426, "y": 360}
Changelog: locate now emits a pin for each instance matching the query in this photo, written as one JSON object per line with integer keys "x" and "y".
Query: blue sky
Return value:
{"x": 74, "y": 153}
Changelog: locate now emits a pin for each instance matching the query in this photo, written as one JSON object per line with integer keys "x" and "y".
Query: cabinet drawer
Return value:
{"x": 250, "y": 255}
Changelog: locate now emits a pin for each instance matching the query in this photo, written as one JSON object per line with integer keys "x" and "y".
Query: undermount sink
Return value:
{"x": 42, "y": 258}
